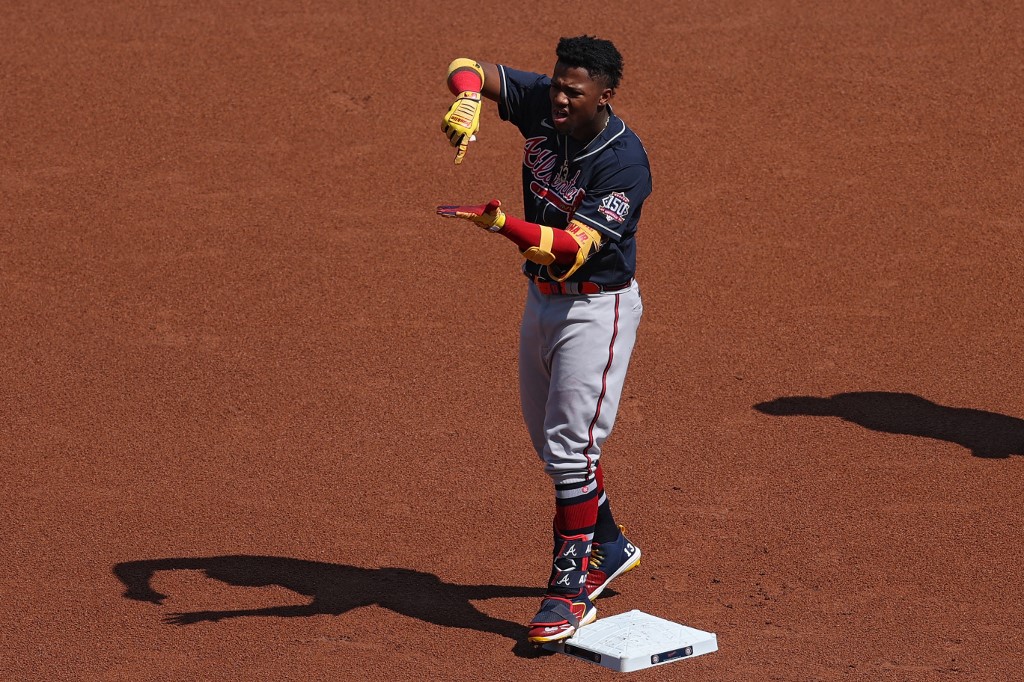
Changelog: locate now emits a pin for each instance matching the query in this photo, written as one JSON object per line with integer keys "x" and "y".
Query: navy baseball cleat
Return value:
{"x": 560, "y": 617}
{"x": 608, "y": 561}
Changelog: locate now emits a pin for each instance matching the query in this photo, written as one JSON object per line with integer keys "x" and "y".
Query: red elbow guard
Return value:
{"x": 528, "y": 235}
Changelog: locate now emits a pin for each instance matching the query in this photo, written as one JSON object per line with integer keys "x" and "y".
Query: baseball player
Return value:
{"x": 585, "y": 179}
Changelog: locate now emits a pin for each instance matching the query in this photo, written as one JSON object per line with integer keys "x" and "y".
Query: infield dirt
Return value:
{"x": 245, "y": 365}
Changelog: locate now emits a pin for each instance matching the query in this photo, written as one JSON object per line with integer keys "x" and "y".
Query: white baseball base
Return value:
{"x": 636, "y": 640}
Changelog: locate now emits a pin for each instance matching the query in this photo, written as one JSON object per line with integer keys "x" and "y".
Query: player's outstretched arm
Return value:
{"x": 540, "y": 244}
{"x": 468, "y": 80}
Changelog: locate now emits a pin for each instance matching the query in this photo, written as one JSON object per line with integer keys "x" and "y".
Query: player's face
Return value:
{"x": 576, "y": 99}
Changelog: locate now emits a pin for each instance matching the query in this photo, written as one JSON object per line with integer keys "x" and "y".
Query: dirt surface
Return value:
{"x": 246, "y": 368}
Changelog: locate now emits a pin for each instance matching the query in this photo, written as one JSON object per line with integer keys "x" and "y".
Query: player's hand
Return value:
{"x": 462, "y": 122}
{"x": 488, "y": 216}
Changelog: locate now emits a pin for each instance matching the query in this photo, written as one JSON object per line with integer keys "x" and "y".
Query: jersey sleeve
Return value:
{"x": 612, "y": 204}
{"x": 523, "y": 96}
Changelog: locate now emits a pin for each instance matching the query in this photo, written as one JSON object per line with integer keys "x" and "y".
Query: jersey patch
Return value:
{"x": 615, "y": 207}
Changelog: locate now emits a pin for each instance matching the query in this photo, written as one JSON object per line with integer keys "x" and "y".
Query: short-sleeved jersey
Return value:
{"x": 602, "y": 184}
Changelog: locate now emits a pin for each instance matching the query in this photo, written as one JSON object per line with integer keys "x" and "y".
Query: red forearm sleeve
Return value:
{"x": 464, "y": 80}
{"x": 525, "y": 235}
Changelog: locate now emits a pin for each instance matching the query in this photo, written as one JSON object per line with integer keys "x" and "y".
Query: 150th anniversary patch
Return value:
{"x": 615, "y": 207}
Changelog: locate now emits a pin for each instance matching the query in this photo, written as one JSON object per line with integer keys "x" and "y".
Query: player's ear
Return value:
{"x": 606, "y": 96}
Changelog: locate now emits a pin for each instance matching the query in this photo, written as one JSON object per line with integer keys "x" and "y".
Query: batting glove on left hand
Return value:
{"x": 489, "y": 216}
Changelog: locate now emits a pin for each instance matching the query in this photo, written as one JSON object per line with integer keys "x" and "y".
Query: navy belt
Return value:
{"x": 577, "y": 288}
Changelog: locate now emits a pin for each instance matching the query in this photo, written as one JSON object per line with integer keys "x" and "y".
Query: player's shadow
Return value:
{"x": 334, "y": 589}
{"x": 985, "y": 434}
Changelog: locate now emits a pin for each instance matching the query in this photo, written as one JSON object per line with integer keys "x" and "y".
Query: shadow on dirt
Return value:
{"x": 985, "y": 434}
{"x": 335, "y": 589}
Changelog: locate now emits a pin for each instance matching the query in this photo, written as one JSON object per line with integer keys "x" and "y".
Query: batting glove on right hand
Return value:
{"x": 462, "y": 122}
{"x": 488, "y": 216}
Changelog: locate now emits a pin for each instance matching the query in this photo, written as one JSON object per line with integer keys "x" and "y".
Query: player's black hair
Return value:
{"x": 599, "y": 57}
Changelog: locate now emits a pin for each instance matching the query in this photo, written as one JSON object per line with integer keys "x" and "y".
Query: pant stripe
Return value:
{"x": 604, "y": 383}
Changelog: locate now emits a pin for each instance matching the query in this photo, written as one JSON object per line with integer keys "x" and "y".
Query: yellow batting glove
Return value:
{"x": 488, "y": 216}
{"x": 462, "y": 122}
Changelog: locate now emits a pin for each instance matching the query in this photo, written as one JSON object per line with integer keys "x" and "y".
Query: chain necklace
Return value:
{"x": 563, "y": 173}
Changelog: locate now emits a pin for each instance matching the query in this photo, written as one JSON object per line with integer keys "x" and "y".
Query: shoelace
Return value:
{"x": 596, "y": 556}
{"x": 597, "y": 552}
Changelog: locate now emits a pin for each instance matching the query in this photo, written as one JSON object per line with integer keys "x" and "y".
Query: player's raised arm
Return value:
{"x": 492, "y": 81}
{"x": 468, "y": 80}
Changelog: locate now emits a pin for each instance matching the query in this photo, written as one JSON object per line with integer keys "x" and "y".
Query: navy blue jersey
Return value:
{"x": 602, "y": 184}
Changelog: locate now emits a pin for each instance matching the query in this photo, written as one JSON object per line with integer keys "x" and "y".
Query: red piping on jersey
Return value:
{"x": 558, "y": 202}
{"x": 604, "y": 383}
